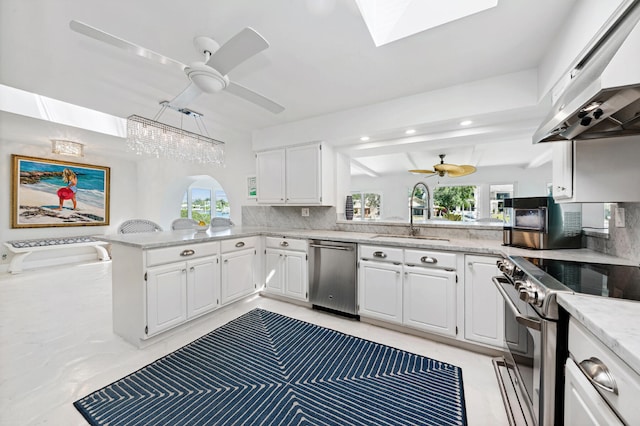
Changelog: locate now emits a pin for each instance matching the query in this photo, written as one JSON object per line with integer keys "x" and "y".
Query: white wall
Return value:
{"x": 394, "y": 189}
{"x": 140, "y": 188}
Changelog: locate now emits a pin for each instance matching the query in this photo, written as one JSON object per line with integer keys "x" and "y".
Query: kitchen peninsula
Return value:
{"x": 167, "y": 257}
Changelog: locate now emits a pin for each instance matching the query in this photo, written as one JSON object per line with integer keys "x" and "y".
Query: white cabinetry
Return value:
{"x": 600, "y": 388}
{"x": 562, "y": 170}
{"x": 296, "y": 175}
{"x": 430, "y": 291}
{"x": 583, "y": 405}
{"x": 180, "y": 291}
{"x": 238, "y": 262}
{"x": 380, "y": 283}
{"x": 576, "y": 177}
{"x": 483, "y": 305}
{"x": 415, "y": 288}
{"x": 157, "y": 289}
{"x": 287, "y": 268}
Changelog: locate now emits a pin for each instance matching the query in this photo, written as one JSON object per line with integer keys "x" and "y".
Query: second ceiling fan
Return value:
{"x": 451, "y": 170}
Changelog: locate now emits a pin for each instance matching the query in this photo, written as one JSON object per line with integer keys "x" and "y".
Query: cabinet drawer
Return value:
{"x": 286, "y": 243}
{"x": 178, "y": 253}
{"x": 583, "y": 346}
{"x": 238, "y": 244}
{"x": 386, "y": 254}
{"x": 435, "y": 259}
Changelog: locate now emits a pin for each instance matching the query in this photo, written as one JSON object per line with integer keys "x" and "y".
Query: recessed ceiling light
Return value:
{"x": 364, "y": 138}
{"x": 465, "y": 122}
{"x": 410, "y": 131}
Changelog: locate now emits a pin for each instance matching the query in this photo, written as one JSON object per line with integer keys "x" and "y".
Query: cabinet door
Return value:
{"x": 483, "y": 304}
{"x": 380, "y": 291}
{"x": 274, "y": 277}
{"x": 166, "y": 297}
{"x": 237, "y": 275}
{"x": 303, "y": 176}
{"x": 270, "y": 172}
{"x": 203, "y": 285}
{"x": 296, "y": 275}
{"x": 562, "y": 170}
{"x": 430, "y": 300}
{"x": 583, "y": 405}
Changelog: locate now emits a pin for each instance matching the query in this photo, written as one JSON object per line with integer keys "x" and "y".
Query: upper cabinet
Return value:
{"x": 296, "y": 175}
{"x": 597, "y": 171}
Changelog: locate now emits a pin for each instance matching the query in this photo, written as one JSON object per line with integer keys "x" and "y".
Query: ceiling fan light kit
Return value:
{"x": 442, "y": 169}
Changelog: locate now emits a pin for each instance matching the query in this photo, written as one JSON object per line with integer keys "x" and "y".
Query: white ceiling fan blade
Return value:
{"x": 241, "y": 47}
{"x": 254, "y": 97}
{"x": 187, "y": 96}
{"x": 94, "y": 33}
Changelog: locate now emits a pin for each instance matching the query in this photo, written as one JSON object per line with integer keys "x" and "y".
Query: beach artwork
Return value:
{"x": 48, "y": 193}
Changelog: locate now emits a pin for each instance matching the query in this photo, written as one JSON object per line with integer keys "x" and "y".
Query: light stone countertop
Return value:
{"x": 613, "y": 321}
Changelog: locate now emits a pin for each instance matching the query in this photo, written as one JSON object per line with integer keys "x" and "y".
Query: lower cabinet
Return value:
{"x": 414, "y": 288}
{"x": 380, "y": 290}
{"x": 583, "y": 405}
{"x": 238, "y": 263}
{"x": 180, "y": 291}
{"x": 483, "y": 305}
{"x": 430, "y": 299}
{"x": 286, "y": 268}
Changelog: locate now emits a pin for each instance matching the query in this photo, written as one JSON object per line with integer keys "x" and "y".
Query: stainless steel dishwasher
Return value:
{"x": 332, "y": 276}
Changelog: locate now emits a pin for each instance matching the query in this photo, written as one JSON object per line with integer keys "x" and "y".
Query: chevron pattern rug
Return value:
{"x": 268, "y": 369}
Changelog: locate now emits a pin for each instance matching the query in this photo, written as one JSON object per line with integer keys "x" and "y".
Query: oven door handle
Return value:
{"x": 528, "y": 322}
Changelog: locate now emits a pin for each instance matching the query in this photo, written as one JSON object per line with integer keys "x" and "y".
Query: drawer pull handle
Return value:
{"x": 188, "y": 252}
{"x": 284, "y": 244}
{"x": 598, "y": 374}
{"x": 380, "y": 254}
{"x": 428, "y": 259}
{"x": 240, "y": 244}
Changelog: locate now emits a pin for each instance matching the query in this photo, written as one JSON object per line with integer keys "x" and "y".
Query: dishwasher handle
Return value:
{"x": 323, "y": 246}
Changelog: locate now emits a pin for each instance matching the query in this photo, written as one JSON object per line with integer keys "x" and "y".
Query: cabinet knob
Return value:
{"x": 380, "y": 254}
{"x": 187, "y": 252}
{"x": 240, "y": 244}
{"x": 428, "y": 259}
{"x": 192, "y": 268}
{"x": 561, "y": 188}
{"x": 284, "y": 244}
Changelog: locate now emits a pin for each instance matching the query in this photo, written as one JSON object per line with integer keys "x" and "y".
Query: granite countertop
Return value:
{"x": 475, "y": 246}
{"x": 613, "y": 321}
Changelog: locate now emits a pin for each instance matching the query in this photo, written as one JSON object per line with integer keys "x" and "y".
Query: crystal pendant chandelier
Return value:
{"x": 152, "y": 138}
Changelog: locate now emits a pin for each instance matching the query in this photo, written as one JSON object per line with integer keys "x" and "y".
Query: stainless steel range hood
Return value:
{"x": 602, "y": 98}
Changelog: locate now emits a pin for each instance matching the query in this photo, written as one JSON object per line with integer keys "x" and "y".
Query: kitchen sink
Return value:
{"x": 410, "y": 237}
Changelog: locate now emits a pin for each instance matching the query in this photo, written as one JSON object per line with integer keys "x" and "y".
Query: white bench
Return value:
{"x": 23, "y": 248}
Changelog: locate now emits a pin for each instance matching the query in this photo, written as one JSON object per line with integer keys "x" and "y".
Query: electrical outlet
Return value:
{"x": 619, "y": 215}
{"x": 305, "y": 212}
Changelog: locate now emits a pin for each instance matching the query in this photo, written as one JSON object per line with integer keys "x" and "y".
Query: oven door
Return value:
{"x": 526, "y": 338}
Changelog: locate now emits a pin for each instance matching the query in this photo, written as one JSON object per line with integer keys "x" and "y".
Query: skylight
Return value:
{"x": 391, "y": 20}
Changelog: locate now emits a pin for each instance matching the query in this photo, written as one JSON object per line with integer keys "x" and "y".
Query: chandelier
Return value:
{"x": 152, "y": 138}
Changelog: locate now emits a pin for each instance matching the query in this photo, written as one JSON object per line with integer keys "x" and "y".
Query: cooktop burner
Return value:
{"x": 622, "y": 282}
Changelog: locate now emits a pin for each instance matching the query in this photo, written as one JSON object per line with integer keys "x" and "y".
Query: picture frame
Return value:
{"x": 54, "y": 193}
{"x": 252, "y": 187}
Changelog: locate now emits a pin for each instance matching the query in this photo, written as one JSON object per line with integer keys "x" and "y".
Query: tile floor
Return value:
{"x": 56, "y": 345}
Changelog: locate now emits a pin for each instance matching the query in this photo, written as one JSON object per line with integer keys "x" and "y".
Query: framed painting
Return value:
{"x": 48, "y": 193}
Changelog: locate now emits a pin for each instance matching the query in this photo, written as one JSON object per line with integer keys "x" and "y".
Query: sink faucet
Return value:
{"x": 413, "y": 230}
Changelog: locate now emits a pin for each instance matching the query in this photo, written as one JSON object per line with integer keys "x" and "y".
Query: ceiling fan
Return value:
{"x": 207, "y": 76}
{"x": 452, "y": 170}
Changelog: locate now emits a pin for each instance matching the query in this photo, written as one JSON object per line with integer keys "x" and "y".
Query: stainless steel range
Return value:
{"x": 530, "y": 373}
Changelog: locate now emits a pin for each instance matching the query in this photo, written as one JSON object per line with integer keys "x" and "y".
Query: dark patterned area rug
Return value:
{"x": 266, "y": 368}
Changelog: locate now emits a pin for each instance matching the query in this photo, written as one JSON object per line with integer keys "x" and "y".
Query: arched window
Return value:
{"x": 203, "y": 200}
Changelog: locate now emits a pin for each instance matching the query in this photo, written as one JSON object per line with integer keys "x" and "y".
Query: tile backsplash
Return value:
{"x": 289, "y": 217}
{"x": 621, "y": 242}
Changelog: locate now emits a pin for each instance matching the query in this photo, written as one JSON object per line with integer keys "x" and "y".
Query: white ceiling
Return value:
{"x": 321, "y": 60}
